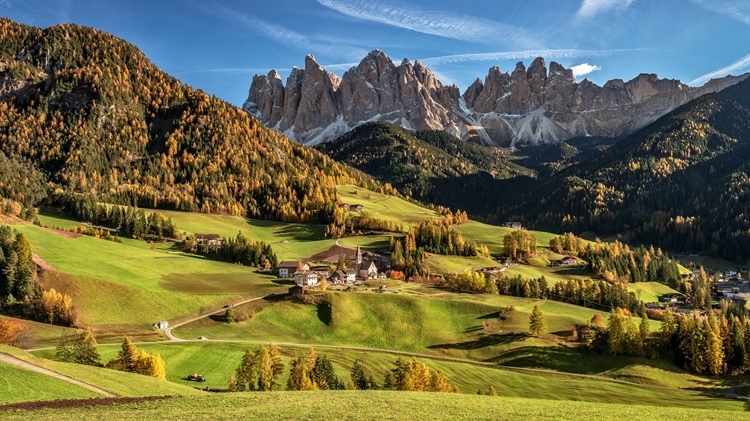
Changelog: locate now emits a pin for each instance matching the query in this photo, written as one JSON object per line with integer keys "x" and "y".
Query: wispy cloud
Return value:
{"x": 734, "y": 68}
{"x": 449, "y": 25}
{"x": 737, "y": 9}
{"x": 590, "y": 8}
{"x": 520, "y": 55}
{"x": 284, "y": 35}
{"x": 584, "y": 69}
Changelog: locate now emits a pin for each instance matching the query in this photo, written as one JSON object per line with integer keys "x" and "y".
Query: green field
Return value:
{"x": 382, "y": 405}
{"x": 218, "y": 361}
{"x": 116, "y": 382}
{"x": 649, "y": 292}
{"x": 44, "y": 334}
{"x": 128, "y": 284}
{"x": 385, "y": 207}
{"x": 289, "y": 241}
{"x": 492, "y": 236}
{"x": 457, "y": 264}
{"x": 20, "y": 385}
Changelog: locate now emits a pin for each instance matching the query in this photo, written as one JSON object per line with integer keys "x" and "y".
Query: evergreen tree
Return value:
{"x": 245, "y": 377}
{"x": 738, "y": 343}
{"x": 324, "y": 375}
{"x": 537, "y": 323}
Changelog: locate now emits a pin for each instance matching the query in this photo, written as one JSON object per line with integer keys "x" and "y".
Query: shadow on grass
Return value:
{"x": 324, "y": 313}
{"x": 483, "y": 342}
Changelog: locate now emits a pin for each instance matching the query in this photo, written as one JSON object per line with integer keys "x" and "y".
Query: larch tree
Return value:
{"x": 439, "y": 382}
{"x": 245, "y": 374}
{"x": 537, "y": 323}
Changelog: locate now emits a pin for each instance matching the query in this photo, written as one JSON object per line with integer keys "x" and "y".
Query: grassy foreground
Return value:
{"x": 354, "y": 405}
{"x": 116, "y": 382}
{"x": 20, "y": 385}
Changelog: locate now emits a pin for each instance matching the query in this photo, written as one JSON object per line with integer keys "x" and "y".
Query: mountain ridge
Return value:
{"x": 531, "y": 105}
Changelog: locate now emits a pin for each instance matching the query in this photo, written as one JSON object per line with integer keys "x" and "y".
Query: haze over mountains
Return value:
{"x": 541, "y": 104}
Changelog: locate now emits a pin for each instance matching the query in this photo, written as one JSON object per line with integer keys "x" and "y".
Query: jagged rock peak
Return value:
{"x": 536, "y": 104}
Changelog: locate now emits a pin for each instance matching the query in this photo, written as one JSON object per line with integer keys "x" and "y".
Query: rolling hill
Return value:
{"x": 85, "y": 113}
{"x": 431, "y": 166}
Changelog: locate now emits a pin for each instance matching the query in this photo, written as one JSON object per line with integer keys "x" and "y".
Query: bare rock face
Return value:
{"x": 526, "y": 105}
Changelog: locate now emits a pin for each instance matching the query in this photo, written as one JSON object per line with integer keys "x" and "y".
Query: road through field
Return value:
{"x": 31, "y": 367}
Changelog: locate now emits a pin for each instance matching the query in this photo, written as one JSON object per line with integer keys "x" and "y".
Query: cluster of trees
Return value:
{"x": 707, "y": 344}
{"x": 102, "y": 233}
{"x": 259, "y": 371}
{"x": 79, "y": 349}
{"x": 15, "y": 333}
{"x": 56, "y": 308}
{"x": 111, "y": 123}
{"x": 589, "y": 292}
{"x": 568, "y": 243}
{"x": 638, "y": 187}
{"x": 314, "y": 372}
{"x": 519, "y": 244}
{"x": 129, "y": 360}
{"x": 518, "y": 286}
{"x": 617, "y": 261}
{"x": 240, "y": 249}
{"x": 343, "y": 223}
{"x": 625, "y": 337}
{"x": 17, "y": 270}
{"x": 131, "y": 222}
{"x": 472, "y": 282}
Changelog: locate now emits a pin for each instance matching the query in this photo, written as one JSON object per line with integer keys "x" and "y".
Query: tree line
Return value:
{"x": 81, "y": 349}
{"x": 240, "y": 249}
{"x": 260, "y": 369}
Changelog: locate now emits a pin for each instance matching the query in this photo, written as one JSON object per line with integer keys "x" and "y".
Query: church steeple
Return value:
{"x": 358, "y": 259}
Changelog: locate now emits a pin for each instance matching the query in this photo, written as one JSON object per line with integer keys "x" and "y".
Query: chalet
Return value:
{"x": 730, "y": 273}
{"x": 568, "y": 260}
{"x": 514, "y": 225}
{"x": 655, "y": 306}
{"x": 490, "y": 270}
{"x": 305, "y": 278}
{"x": 297, "y": 291}
{"x": 345, "y": 206}
{"x": 287, "y": 268}
{"x": 322, "y": 271}
{"x": 382, "y": 276}
{"x": 162, "y": 324}
{"x": 209, "y": 239}
{"x": 344, "y": 276}
{"x": 669, "y": 298}
{"x": 503, "y": 260}
{"x": 356, "y": 208}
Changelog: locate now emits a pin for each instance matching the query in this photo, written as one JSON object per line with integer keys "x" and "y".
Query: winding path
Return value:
{"x": 31, "y": 367}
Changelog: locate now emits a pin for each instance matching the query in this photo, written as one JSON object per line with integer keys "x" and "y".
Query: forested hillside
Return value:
{"x": 682, "y": 183}
{"x": 432, "y": 165}
{"x": 83, "y": 112}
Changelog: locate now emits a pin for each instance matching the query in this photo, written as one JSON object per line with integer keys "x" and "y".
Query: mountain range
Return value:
{"x": 540, "y": 104}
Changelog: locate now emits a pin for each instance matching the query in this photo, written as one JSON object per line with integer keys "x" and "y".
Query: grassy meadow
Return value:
{"x": 128, "y": 284}
{"x": 649, "y": 292}
{"x": 386, "y": 207}
{"x": 116, "y": 382}
{"x": 380, "y": 405}
{"x": 20, "y": 385}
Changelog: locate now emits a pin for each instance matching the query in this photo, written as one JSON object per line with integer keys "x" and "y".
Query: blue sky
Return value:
{"x": 218, "y": 46}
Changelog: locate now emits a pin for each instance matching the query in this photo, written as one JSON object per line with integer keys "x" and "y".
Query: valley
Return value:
{"x": 369, "y": 246}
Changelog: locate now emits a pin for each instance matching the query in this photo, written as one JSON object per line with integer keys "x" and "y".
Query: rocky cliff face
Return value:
{"x": 527, "y": 105}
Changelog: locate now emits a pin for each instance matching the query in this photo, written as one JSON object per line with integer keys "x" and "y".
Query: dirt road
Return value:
{"x": 31, "y": 367}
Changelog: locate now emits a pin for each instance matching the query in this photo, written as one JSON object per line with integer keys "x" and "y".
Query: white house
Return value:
{"x": 287, "y": 268}
{"x": 305, "y": 278}
{"x": 162, "y": 325}
{"x": 344, "y": 276}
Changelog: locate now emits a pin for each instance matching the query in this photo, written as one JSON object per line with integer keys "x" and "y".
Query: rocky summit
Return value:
{"x": 540, "y": 104}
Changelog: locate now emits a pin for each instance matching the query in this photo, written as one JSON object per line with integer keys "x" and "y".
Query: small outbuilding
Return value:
{"x": 162, "y": 325}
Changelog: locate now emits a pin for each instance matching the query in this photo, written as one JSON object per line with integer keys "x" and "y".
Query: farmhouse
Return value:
{"x": 568, "y": 260}
{"x": 322, "y": 271}
{"x": 344, "y": 206}
{"x": 209, "y": 239}
{"x": 305, "y": 278}
{"x": 344, "y": 276}
{"x": 356, "y": 208}
{"x": 514, "y": 225}
{"x": 656, "y": 306}
{"x": 287, "y": 268}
